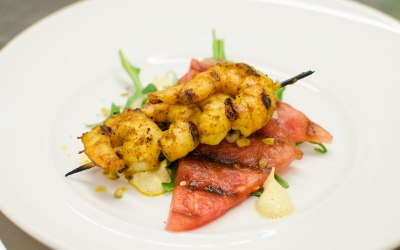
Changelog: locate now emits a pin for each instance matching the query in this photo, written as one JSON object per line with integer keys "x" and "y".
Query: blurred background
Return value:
{"x": 16, "y": 15}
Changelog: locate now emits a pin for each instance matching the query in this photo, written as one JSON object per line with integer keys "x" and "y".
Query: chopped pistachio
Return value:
{"x": 119, "y": 192}
{"x": 243, "y": 142}
{"x": 100, "y": 189}
{"x": 111, "y": 175}
{"x": 268, "y": 141}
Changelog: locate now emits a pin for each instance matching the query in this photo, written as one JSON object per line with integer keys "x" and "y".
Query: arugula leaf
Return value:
{"x": 144, "y": 101}
{"x": 322, "y": 149}
{"x": 218, "y": 48}
{"x": 279, "y": 93}
{"x": 114, "y": 109}
{"x": 257, "y": 193}
{"x": 149, "y": 89}
{"x": 133, "y": 73}
{"x": 281, "y": 181}
{"x": 170, "y": 185}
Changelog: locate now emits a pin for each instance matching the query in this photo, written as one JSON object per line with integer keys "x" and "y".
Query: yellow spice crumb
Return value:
{"x": 64, "y": 147}
{"x": 111, "y": 175}
{"x": 243, "y": 142}
{"x": 100, "y": 189}
{"x": 268, "y": 141}
{"x": 119, "y": 192}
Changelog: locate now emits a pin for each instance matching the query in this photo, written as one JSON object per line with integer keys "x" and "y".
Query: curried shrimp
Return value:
{"x": 98, "y": 148}
{"x": 182, "y": 137}
{"x": 215, "y": 119}
{"x": 254, "y": 108}
{"x": 127, "y": 141}
{"x": 228, "y": 78}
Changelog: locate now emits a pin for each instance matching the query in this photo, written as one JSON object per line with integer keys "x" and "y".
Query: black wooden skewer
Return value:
{"x": 80, "y": 169}
{"x": 296, "y": 78}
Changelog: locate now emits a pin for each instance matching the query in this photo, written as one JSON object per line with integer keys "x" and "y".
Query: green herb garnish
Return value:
{"x": 114, "y": 109}
{"x": 133, "y": 73}
{"x": 257, "y": 193}
{"x": 169, "y": 187}
{"x": 279, "y": 93}
{"x": 281, "y": 181}
{"x": 149, "y": 89}
{"x": 322, "y": 149}
{"x": 218, "y": 48}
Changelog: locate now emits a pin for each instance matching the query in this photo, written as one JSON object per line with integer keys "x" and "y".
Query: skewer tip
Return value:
{"x": 80, "y": 169}
{"x": 296, "y": 78}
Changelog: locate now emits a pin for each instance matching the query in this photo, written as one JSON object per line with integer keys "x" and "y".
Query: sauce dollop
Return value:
{"x": 274, "y": 201}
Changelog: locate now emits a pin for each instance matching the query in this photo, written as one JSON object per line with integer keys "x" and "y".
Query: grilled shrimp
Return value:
{"x": 98, "y": 148}
{"x": 228, "y": 78}
{"x": 126, "y": 140}
{"x": 252, "y": 91}
{"x": 215, "y": 119}
{"x": 169, "y": 95}
{"x": 182, "y": 137}
{"x": 254, "y": 108}
{"x": 157, "y": 112}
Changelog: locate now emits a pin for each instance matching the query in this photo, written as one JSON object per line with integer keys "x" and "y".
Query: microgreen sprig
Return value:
{"x": 169, "y": 187}
{"x": 281, "y": 181}
{"x": 321, "y": 149}
{"x": 133, "y": 73}
{"x": 279, "y": 93}
{"x": 114, "y": 109}
{"x": 218, "y": 48}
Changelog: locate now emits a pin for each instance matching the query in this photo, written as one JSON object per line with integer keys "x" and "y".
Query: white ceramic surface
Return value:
{"x": 56, "y": 76}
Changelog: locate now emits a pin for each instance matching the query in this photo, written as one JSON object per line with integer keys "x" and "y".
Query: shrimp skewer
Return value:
{"x": 131, "y": 141}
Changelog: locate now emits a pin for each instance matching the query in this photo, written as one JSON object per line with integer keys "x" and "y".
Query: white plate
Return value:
{"x": 355, "y": 9}
{"x": 59, "y": 73}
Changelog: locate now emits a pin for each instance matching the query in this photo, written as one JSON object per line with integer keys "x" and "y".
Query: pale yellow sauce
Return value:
{"x": 274, "y": 201}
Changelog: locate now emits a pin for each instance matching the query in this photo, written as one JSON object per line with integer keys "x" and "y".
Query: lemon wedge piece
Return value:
{"x": 149, "y": 183}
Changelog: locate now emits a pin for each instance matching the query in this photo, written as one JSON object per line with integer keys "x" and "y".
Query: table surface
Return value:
{"x": 15, "y": 16}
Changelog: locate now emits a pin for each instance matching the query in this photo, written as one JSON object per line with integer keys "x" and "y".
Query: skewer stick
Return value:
{"x": 80, "y": 169}
{"x": 296, "y": 78}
